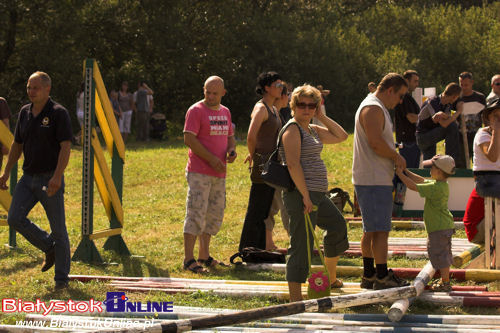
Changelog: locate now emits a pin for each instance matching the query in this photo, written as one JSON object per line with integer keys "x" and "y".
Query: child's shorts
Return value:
{"x": 439, "y": 248}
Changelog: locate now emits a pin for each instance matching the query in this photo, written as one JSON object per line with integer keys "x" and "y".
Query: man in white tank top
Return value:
{"x": 374, "y": 159}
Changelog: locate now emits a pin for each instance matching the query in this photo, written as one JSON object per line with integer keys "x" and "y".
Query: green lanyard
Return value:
{"x": 310, "y": 228}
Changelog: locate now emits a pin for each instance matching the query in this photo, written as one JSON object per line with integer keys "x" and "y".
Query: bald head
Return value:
{"x": 213, "y": 91}
{"x": 38, "y": 88}
{"x": 215, "y": 81}
{"x": 44, "y": 77}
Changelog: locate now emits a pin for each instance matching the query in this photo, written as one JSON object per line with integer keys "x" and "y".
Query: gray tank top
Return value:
{"x": 368, "y": 168}
{"x": 310, "y": 159}
{"x": 268, "y": 133}
{"x": 124, "y": 101}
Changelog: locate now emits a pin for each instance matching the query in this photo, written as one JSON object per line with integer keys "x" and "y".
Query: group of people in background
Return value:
{"x": 124, "y": 104}
{"x": 295, "y": 123}
{"x": 281, "y": 120}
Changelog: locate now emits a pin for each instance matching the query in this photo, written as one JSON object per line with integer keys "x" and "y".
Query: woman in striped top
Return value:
{"x": 301, "y": 151}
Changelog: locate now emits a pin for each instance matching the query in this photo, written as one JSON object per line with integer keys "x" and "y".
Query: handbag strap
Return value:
{"x": 275, "y": 153}
{"x": 310, "y": 229}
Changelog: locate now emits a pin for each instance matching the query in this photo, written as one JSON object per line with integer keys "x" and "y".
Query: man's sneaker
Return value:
{"x": 390, "y": 281}
{"x": 50, "y": 258}
{"x": 367, "y": 282}
{"x": 441, "y": 287}
{"x": 61, "y": 285}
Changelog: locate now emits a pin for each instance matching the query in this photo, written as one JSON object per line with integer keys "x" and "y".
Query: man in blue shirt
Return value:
{"x": 436, "y": 122}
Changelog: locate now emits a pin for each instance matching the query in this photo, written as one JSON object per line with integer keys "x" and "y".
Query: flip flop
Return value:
{"x": 195, "y": 269}
{"x": 337, "y": 284}
{"x": 211, "y": 262}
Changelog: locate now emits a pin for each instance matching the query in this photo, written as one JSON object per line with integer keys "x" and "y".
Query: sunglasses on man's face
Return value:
{"x": 496, "y": 84}
{"x": 306, "y": 105}
{"x": 278, "y": 85}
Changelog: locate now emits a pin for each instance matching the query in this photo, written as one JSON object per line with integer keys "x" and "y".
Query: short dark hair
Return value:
{"x": 452, "y": 89}
{"x": 465, "y": 75}
{"x": 394, "y": 80}
{"x": 265, "y": 79}
{"x": 284, "y": 91}
{"x": 409, "y": 73}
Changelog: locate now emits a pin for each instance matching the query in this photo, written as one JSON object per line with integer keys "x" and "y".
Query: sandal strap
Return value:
{"x": 189, "y": 263}
{"x": 209, "y": 261}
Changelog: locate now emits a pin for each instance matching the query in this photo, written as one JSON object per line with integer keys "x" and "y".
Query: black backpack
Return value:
{"x": 255, "y": 255}
{"x": 340, "y": 197}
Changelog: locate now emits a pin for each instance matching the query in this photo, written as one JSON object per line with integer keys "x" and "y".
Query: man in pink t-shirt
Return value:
{"x": 208, "y": 133}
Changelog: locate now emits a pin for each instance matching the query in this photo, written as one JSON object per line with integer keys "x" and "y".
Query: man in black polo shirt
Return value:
{"x": 43, "y": 134}
{"x": 406, "y": 116}
{"x": 470, "y": 104}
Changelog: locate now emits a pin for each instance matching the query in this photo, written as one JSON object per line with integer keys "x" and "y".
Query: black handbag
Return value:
{"x": 275, "y": 173}
{"x": 254, "y": 255}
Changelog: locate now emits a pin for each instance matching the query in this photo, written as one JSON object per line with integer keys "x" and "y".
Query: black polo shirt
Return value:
{"x": 405, "y": 130}
{"x": 41, "y": 136}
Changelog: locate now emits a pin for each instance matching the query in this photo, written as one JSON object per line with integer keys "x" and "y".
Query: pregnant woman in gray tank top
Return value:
{"x": 301, "y": 150}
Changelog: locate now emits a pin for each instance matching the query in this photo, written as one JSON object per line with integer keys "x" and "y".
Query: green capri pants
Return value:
{"x": 327, "y": 217}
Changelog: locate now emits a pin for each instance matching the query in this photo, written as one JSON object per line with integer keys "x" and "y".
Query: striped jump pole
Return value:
{"x": 467, "y": 255}
{"x": 477, "y": 275}
{"x": 399, "y": 307}
{"x": 473, "y": 301}
{"x": 405, "y": 224}
{"x": 184, "y": 312}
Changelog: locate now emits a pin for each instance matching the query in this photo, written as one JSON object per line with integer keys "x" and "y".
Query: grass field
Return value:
{"x": 154, "y": 205}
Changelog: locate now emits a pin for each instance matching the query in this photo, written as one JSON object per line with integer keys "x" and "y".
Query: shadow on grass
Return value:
{"x": 21, "y": 263}
{"x": 19, "y": 266}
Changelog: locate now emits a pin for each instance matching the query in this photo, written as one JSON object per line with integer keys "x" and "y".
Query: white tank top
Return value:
{"x": 368, "y": 168}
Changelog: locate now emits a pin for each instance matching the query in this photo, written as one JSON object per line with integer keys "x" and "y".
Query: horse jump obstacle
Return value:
{"x": 6, "y": 139}
{"x": 97, "y": 106}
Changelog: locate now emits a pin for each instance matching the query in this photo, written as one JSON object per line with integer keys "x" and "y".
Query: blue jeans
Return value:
{"x": 411, "y": 154}
{"x": 427, "y": 142}
{"x": 375, "y": 202}
{"x": 27, "y": 194}
{"x": 488, "y": 185}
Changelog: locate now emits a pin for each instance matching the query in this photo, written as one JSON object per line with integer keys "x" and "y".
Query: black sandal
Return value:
{"x": 209, "y": 261}
{"x": 195, "y": 269}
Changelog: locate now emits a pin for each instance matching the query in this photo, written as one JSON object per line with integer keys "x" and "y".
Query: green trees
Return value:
{"x": 174, "y": 45}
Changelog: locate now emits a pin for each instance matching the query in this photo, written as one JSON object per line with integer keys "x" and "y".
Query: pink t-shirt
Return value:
{"x": 212, "y": 128}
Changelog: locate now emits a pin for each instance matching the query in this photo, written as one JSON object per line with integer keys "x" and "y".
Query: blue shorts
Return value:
{"x": 375, "y": 203}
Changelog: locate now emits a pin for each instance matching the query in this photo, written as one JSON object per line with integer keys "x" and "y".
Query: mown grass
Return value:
{"x": 154, "y": 205}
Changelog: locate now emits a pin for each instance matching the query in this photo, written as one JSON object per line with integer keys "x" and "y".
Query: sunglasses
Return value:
{"x": 496, "y": 84}
{"x": 305, "y": 105}
{"x": 278, "y": 85}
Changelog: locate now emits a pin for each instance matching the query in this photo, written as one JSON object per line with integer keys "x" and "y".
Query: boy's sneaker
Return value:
{"x": 367, "y": 282}
{"x": 441, "y": 287}
{"x": 390, "y": 281}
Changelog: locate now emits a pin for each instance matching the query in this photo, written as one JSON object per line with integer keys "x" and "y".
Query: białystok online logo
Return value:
{"x": 116, "y": 301}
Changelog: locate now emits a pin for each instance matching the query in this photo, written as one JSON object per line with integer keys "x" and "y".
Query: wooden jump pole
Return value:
{"x": 489, "y": 223}
{"x": 399, "y": 307}
{"x": 313, "y": 305}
